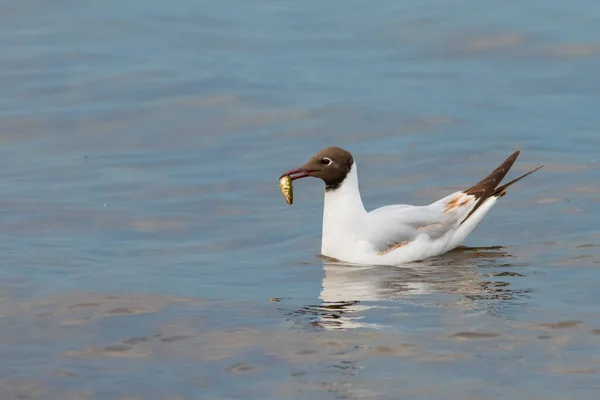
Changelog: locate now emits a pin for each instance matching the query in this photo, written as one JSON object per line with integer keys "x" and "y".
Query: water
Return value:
{"x": 146, "y": 252}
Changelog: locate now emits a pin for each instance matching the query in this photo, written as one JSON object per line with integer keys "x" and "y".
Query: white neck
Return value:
{"x": 342, "y": 213}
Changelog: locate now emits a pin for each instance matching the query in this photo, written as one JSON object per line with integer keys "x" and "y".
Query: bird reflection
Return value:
{"x": 474, "y": 274}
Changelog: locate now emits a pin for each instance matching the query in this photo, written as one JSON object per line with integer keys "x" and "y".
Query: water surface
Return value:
{"x": 146, "y": 252}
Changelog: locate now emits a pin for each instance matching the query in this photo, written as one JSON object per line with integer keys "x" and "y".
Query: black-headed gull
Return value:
{"x": 399, "y": 233}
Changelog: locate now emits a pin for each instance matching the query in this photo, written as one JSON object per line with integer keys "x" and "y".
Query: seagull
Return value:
{"x": 399, "y": 233}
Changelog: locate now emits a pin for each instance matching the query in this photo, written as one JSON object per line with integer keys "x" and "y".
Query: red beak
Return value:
{"x": 296, "y": 174}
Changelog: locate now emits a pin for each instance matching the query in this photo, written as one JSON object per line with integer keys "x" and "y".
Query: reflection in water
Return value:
{"x": 349, "y": 291}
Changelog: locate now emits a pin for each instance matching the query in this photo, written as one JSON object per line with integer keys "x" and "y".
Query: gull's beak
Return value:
{"x": 296, "y": 174}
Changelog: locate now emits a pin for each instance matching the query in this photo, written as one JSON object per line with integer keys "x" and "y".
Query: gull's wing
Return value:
{"x": 394, "y": 226}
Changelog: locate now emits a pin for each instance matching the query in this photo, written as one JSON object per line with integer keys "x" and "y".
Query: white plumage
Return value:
{"x": 393, "y": 234}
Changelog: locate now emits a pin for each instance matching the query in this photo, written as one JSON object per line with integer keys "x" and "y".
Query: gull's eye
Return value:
{"x": 326, "y": 161}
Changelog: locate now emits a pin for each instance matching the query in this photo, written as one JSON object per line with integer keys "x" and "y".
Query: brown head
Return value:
{"x": 331, "y": 164}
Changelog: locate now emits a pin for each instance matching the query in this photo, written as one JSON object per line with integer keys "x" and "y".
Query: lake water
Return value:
{"x": 146, "y": 251}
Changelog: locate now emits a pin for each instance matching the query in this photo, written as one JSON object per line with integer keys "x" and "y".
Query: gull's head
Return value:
{"x": 331, "y": 165}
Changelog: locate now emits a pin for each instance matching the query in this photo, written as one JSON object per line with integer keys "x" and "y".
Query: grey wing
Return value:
{"x": 397, "y": 227}
{"x": 394, "y": 226}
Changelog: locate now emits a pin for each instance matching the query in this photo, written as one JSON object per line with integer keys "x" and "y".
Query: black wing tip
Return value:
{"x": 515, "y": 155}
{"x": 486, "y": 186}
{"x": 537, "y": 168}
{"x": 501, "y": 190}
{"x": 484, "y": 190}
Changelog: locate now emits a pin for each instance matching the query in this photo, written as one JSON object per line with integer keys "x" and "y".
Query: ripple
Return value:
{"x": 474, "y": 335}
{"x": 559, "y": 325}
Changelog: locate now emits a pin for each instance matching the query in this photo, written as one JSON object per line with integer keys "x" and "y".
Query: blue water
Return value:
{"x": 146, "y": 251}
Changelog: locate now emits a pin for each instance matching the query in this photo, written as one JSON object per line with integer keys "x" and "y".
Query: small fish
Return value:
{"x": 287, "y": 189}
